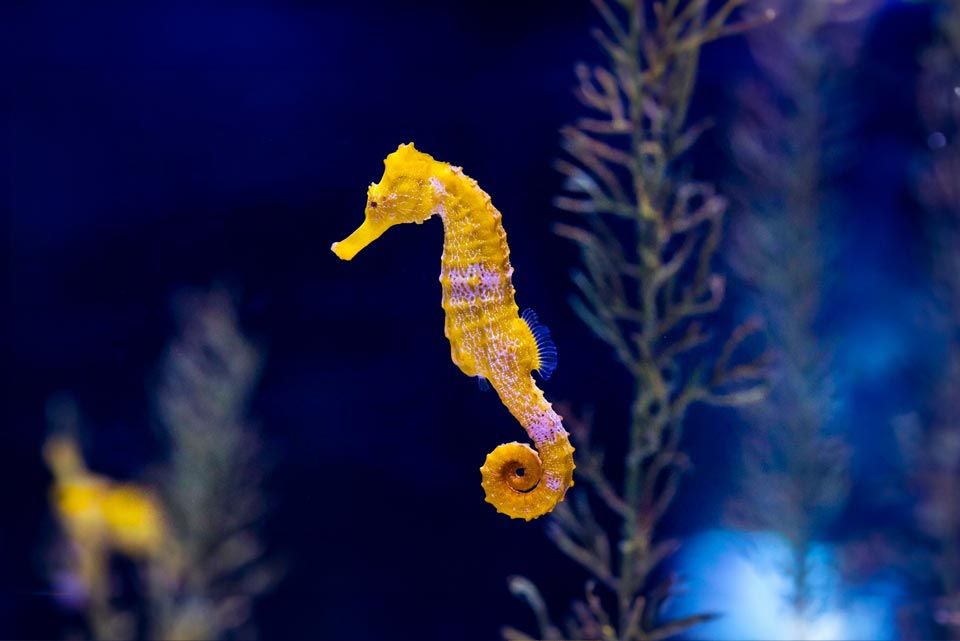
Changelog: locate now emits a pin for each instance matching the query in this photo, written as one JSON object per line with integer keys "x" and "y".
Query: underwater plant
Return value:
{"x": 194, "y": 538}
{"x": 648, "y": 239}
{"x": 785, "y": 143}
{"x": 489, "y": 339}
{"x": 937, "y": 451}
{"x": 212, "y": 486}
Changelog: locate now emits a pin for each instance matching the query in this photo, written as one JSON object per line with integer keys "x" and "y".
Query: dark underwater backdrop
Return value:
{"x": 158, "y": 149}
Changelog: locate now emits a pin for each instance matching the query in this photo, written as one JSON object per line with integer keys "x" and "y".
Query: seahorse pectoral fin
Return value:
{"x": 546, "y": 348}
{"x": 365, "y": 234}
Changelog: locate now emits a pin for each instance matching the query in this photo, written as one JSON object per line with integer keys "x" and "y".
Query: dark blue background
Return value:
{"x": 157, "y": 146}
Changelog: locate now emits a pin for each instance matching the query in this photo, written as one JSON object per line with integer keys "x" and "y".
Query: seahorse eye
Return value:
{"x": 520, "y": 472}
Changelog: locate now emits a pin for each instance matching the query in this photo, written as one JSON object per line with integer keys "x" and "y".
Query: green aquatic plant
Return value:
{"x": 193, "y": 535}
{"x": 647, "y": 237}
{"x": 785, "y": 142}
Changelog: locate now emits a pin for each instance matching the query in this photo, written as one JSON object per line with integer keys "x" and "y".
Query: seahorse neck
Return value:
{"x": 459, "y": 199}
{"x": 470, "y": 221}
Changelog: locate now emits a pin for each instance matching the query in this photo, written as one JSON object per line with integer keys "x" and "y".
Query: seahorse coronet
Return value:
{"x": 488, "y": 338}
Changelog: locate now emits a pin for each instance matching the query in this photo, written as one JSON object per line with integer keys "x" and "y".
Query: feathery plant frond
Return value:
{"x": 783, "y": 142}
{"x": 938, "y": 453}
{"x": 193, "y": 538}
{"x": 647, "y": 238}
{"x": 212, "y": 488}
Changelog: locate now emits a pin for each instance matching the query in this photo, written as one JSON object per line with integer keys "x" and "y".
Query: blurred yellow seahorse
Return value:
{"x": 100, "y": 514}
{"x": 488, "y": 338}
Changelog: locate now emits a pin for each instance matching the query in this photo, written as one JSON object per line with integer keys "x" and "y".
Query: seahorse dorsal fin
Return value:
{"x": 483, "y": 384}
{"x": 546, "y": 348}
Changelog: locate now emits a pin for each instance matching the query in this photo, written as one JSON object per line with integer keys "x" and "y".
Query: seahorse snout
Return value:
{"x": 365, "y": 234}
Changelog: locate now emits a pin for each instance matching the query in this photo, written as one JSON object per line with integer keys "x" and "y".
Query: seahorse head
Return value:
{"x": 405, "y": 194}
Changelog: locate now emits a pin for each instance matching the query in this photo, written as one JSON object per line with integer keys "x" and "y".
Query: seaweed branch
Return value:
{"x": 647, "y": 237}
{"x": 213, "y": 483}
{"x": 795, "y": 471}
{"x": 193, "y": 538}
{"x": 939, "y": 188}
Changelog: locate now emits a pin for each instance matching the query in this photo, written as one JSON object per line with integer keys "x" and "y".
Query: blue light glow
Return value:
{"x": 746, "y": 578}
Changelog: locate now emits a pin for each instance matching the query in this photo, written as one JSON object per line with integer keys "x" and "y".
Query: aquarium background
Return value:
{"x": 157, "y": 148}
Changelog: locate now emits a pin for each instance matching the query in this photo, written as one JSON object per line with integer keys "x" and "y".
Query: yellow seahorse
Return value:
{"x": 488, "y": 338}
{"x": 99, "y": 514}
{"x": 126, "y": 515}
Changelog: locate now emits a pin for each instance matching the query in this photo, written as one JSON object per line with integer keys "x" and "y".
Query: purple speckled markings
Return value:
{"x": 553, "y": 481}
{"x": 546, "y": 427}
{"x": 489, "y": 282}
{"x": 474, "y": 283}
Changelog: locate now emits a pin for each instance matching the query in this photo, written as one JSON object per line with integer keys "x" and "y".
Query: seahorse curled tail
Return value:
{"x": 522, "y": 482}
